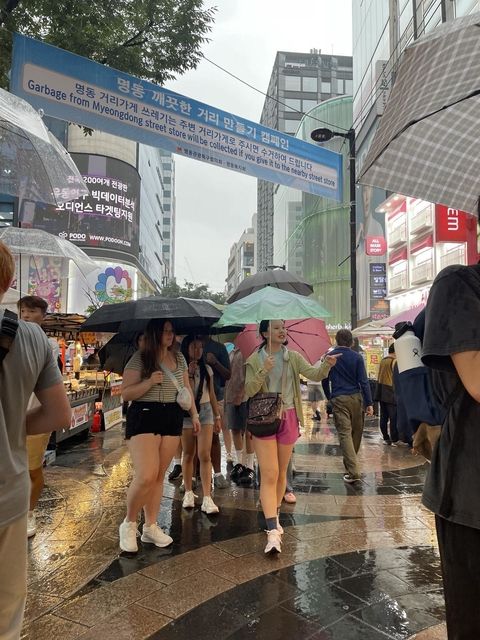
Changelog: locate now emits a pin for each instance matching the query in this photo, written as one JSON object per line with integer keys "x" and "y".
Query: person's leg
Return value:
{"x": 267, "y": 456}
{"x": 358, "y": 420}
{"x": 13, "y": 577}
{"x": 392, "y": 415}
{"x": 144, "y": 452}
{"x": 177, "y": 463}
{"x": 188, "y": 447}
{"x": 166, "y": 451}
{"x": 204, "y": 447}
{"x": 37, "y": 482}
{"x": 284, "y": 454}
{"x": 216, "y": 454}
{"x": 458, "y": 546}
{"x": 384, "y": 421}
{"x": 342, "y": 420}
{"x": 237, "y": 437}
{"x": 227, "y": 436}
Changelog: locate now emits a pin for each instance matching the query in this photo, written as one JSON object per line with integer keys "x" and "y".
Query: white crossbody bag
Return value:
{"x": 184, "y": 397}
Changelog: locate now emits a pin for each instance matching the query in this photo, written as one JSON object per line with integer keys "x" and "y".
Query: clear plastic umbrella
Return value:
{"x": 35, "y": 242}
{"x": 33, "y": 164}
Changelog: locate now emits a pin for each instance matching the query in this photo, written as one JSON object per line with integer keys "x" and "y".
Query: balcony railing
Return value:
{"x": 398, "y": 282}
{"x": 423, "y": 272}
{"x": 456, "y": 256}
{"x": 398, "y": 236}
{"x": 422, "y": 220}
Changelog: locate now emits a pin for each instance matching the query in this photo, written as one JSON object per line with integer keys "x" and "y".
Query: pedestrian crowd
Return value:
{"x": 183, "y": 394}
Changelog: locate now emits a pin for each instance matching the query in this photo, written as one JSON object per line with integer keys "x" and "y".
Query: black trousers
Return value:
{"x": 459, "y": 552}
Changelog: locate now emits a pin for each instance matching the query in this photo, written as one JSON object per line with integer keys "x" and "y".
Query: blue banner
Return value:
{"x": 76, "y": 89}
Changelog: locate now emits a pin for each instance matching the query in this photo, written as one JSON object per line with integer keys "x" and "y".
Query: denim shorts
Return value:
{"x": 205, "y": 416}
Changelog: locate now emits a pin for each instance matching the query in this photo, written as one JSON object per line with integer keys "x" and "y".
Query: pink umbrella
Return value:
{"x": 308, "y": 337}
{"x": 404, "y": 316}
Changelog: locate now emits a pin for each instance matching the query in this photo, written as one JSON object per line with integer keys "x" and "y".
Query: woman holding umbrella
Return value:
{"x": 154, "y": 425}
{"x": 274, "y": 368}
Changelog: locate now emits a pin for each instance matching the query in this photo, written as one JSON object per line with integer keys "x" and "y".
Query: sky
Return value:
{"x": 214, "y": 205}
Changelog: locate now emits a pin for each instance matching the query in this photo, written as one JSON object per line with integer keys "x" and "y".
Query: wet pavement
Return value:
{"x": 358, "y": 561}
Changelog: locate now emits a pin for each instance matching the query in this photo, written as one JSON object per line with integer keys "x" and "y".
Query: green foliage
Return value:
{"x": 150, "y": 39}
{"x": 191, "y": 290}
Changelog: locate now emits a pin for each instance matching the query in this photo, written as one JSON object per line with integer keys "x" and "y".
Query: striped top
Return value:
{"x": 165, "y": 392}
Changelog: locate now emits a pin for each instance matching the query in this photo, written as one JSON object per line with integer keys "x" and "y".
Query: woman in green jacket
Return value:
{"x": 267, "y": 368}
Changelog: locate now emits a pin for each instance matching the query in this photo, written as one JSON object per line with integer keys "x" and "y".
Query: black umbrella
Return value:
{"x": 279, "y": 278}
{"x": 186, "y": 315}
{"x": 117, "y": 352}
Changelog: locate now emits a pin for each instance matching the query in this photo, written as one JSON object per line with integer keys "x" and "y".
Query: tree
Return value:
{"x": 191, "y": 290}
{"x": 150, "y": 39}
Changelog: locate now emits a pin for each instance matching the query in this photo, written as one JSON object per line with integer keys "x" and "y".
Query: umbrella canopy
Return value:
{"x": 186, "y": 315}
{"x": 272, "y": 278}
{"x": 308, "y": 337}
{"x": 34, "y": 165}
{"x": 405, "y": 316}
{"x": 117, "y": 352}
{"x": 271, "y": 303}
{"x": 371, "y": 329}
{"x": 426, "y": 143}
{"x": 35, "y": 242}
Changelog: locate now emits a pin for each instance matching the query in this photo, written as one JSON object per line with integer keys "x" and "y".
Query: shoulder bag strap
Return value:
{"x": 167, "y": 371}
{"x": 8, "y": 331}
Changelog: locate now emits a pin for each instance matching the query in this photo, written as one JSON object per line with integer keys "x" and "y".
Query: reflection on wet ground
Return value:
{"x": 357, "y": 561}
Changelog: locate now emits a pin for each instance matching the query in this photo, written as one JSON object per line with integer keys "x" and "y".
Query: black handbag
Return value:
{"x": 265, "y": 411}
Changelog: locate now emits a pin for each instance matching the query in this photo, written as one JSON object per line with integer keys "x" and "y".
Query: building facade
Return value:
{"x": 241, "y": 261}
{"x": 299, "y": 81}
{"x": 311, "y": 233}
{"x": 381, "y": 31}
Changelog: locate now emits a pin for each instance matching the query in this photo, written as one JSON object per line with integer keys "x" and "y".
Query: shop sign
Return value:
{"x": 80, "y": 415}
{"x": 375, "y": 246}
{"x": 116, "y": 388}
{"x": 76, "y": 89}
{"x": 112, "y": 417}
{"x": 451, "y": 224}
{"x": 373, "y": 359}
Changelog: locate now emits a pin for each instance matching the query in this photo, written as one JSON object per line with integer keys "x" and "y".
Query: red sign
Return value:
{"x": 451, "y": 224}
{"x": 375, "y": 246}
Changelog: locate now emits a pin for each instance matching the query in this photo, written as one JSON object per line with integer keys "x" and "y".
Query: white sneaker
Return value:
{"x": 274, "y": 542}
{"x": 155, "y": 535}
{"x": 189, "y": 500}
{"x": 31, "y": 524}
{"x": 208, "y": 506}
{"x": 128, "y": 536}
{"x": 279, "y": 527}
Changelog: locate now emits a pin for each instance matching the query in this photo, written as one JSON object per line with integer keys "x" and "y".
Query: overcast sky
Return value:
{"x": 214, "y": 205}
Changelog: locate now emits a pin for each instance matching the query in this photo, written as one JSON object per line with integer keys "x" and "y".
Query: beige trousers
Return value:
{"x": 348, "y": 416}
{"x": 13, "y": 578}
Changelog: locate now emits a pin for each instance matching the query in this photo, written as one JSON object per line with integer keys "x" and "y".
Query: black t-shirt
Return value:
{"x": 452, "y": 488}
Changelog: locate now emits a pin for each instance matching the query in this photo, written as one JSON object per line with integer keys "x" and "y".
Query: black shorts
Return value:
{"x": 236, "y": 416}
{"x": 159, "y": 418}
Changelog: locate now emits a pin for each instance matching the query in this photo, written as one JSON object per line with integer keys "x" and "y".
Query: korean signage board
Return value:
{"x": 107, "y": 218}
{"x": 450, "y": 224}
{"x": 379, "y": 307}
{"x": 76, "y": 89}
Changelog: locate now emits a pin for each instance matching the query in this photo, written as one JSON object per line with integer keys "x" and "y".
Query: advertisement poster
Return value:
{"x": 112, "y": 417}
{"x": 107, "y": 218}
{"x": 80, "y": 415}
{"x": 44, "y": 280}
{"x": 373, "y": 358}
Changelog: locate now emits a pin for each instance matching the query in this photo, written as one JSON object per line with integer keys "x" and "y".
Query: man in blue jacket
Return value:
{"x": 348, "y": 390}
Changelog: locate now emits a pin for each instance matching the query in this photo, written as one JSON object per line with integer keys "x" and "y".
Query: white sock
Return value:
{"x": 177, "y": 461}
{"x": 219, "y": 473}
{"x": 249, "y": 460}
{"x": 238, "y": 456}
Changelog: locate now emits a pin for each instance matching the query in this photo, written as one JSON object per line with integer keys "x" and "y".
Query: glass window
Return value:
{"x": 291, "y": 126}
{"x": 310, "y": 84}
{"x": 293, "y": 83}
{"x": 292, "y": 104}
{"x": 462, "y": 7}
{"x": 326, "y": 86}
{"x": 309, "y": 104}
{"x": 349, "y": 87}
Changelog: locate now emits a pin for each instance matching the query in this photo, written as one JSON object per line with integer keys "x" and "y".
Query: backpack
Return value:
{"x": 8, "y": 331}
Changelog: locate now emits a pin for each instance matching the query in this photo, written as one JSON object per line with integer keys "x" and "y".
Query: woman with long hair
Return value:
{"x": 201, "y": 382}
{"x": 274, "y": 368}
{"x": 154, "y": 426}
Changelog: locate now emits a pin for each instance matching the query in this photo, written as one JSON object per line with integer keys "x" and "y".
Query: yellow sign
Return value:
{"x": 373, "y": 362}
{"x": 112, "y": 417}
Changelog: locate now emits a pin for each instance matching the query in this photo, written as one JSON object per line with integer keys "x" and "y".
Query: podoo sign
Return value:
{"x": 78, "y": 90}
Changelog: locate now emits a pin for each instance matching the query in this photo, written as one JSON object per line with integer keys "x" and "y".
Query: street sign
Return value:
{"x": 76, "y": 89}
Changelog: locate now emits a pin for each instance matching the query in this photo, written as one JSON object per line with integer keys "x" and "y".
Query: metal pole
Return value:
{"x": 353, "y": 230}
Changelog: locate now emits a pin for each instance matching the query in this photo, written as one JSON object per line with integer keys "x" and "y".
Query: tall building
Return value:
{"x": 241, "y": 261}
{"x": 299, "y": 81}
{"x": 411, "y": 258}
{"x": 311, "y": 233}
{"x": 126, "y": 223}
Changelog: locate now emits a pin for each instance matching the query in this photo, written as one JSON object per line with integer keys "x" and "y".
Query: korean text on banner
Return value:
{"x": 76, "y": 89}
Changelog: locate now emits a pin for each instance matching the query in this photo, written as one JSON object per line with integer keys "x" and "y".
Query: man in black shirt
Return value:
{"x": 451, "y": 346}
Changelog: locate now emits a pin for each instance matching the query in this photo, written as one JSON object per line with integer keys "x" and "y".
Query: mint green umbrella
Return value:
{"x": 271, "y": 303}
